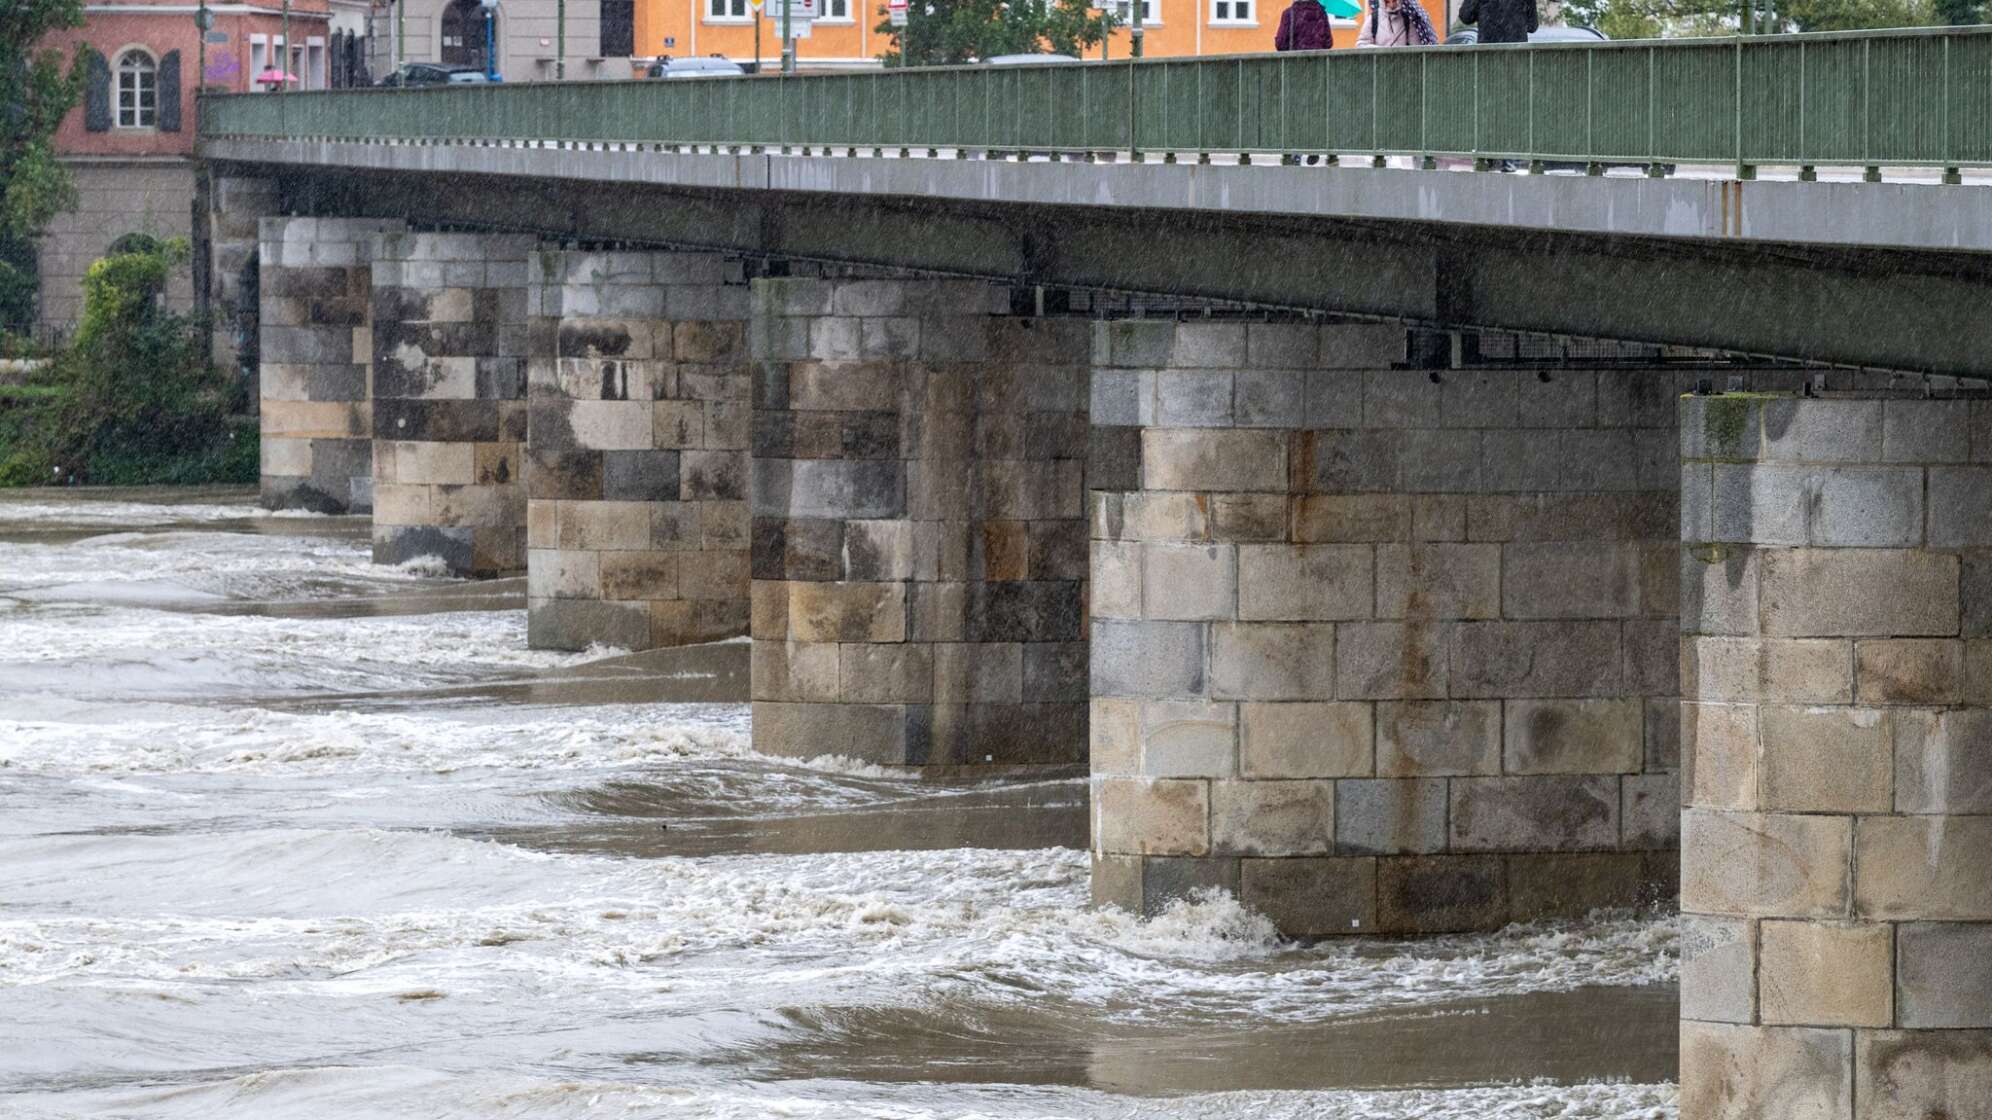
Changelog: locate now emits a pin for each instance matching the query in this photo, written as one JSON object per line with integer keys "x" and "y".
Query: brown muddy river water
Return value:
{"x": 285, "y": 834}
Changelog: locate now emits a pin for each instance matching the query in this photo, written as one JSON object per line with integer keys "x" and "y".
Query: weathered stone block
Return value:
{"x": 1943, "y": 761}
{"x": 1272, "y": 660}
{"x": 1215, "y": 459}
{"x": 1650, "y": 812}
{"x": 1915, "y": 431}
{"x": 1555, "y": 885}
{"x": 1438, "y": 581}
{"x": 1437, "y": 738}
{"x": 1392, "y": 660}
{"x": 1547, "y": 813}
{"x": 1312, "y": 897}
{"x": 1400, "y": 399}
{"x": 1193, "y": 399}
{"x": 1831, "y": 592}
{"x": 1272, "y": 818}
{"x": 794, "y": 671}
{"x": 1574, "y": 736}
{"x": 1943, "y": 975}
{"x": 847, "y": 612}
{"x": 1922, "y": 1075}
{"x": 874, "y": 733}
{"x": 1441, "y": 894}
{"x": 1522, "y": 659}
{"x": 1825, "y": 760}
{"x": 1823, "y": 431}
{"x": 1747, "y": 1073}
{"x": 1147, "y": 658}
{"x": 1330, "y": 518}
{"x": 1159, "y": 817}
{"x": 1114, "y": 736}
{"x": 1924, "y": 868}
{"x": 1805, "y": 671}
{"x": 1301, "y": 582}
{"x": 1718, "y": 969}
{"x": 1569, "y": 579}
{"x": 1718, "y": 591}
{"x": 1909, "y": 671}
{"x": 1826, "y": 974}
{"x": 1188, "y": 738}
{"x": 1390, "y": 816}
{"x": 1765, "y": 865}
{"x": 1167, "y": 879}
{"x": 1189, "y": 581}
{"x": 1305, "y": 740}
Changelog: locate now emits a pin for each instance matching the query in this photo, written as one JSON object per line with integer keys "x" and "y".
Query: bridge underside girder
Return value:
{"x": 1896, "y": 309}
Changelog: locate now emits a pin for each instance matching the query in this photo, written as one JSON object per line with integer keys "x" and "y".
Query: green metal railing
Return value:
{"x": 1868, "y": 99}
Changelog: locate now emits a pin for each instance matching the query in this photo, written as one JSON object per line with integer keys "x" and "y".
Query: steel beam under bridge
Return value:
{"x": 1917, "y": 309}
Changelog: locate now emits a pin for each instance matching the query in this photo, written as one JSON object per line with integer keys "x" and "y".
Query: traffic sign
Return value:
{"x": 895, "y": 11}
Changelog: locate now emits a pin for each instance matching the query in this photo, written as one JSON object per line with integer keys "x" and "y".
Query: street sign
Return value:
{"x": 203, "y": 17}
{"x": 798, "y": 10}
{"x": 895, "y": 11}
{"x": 799, "y": 29}
{"x": 218, "y": 38}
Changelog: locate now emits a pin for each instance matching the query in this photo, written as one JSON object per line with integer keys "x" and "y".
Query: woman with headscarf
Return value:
{"x": 1396, "y": 23}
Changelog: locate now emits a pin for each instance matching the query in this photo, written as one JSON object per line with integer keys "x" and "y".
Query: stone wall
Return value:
{"x": 919, "y": 548}
{"x": 637, "y": 478}
{"x": 449, "y": 344}
{"x": 314, "y": 329}
{"x": 236, "y": 207}
{"x": 1837, "y": 842}
{"x": 114, "y": 197}
{"x": 1381, "y": 649}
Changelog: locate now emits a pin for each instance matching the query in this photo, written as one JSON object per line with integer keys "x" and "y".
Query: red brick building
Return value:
{"x": 130, "y": 143}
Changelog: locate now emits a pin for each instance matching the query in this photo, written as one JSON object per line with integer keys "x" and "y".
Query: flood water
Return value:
{"x": 284, "y": 834}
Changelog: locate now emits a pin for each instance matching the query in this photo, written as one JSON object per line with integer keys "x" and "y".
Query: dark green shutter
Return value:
{"x": 97, "y": 93}
{"x": 169, "y": 92}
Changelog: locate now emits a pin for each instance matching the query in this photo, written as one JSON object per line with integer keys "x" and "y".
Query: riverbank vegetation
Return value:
{"x": 132, "y": 398}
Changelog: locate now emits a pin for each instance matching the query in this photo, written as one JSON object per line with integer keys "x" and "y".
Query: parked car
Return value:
{"x": 1467, "y": 36}
{"x": 709, "y": 67}
{"x": 1028, "y": 59}
{"x": 432, "y": 74}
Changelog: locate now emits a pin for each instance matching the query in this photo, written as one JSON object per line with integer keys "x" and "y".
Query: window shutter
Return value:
{"x": 97, "y": 93}
{"x": 169, "y": 92}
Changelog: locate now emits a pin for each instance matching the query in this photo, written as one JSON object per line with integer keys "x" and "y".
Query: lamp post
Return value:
{"x": 1134, "y": 32}
{"x": 283, "y": 64}
{"x": 560, "y": 41}
{"x": 490, "y": 39}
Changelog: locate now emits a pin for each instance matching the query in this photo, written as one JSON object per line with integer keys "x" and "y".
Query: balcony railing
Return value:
{"x": 1919, "y": 97}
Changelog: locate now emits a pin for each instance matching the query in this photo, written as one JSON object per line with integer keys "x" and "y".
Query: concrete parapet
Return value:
{"x": 1836, "y": 861}
{"x": 639, "y": 387}
{"x": 1381, "y": 649}
{"x": 449, "y": 345}
{"x": 919, "y": 545}
{"x": 315, "y": 325}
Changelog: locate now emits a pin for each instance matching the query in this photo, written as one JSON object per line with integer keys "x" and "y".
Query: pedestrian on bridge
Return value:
{"x": 1501, "y": 21}
{"x": 1304, "y": 27}
{"x": 1396, "y": 23}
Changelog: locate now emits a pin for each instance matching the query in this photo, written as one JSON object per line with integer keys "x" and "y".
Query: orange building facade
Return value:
{"x": 846, "y": 35}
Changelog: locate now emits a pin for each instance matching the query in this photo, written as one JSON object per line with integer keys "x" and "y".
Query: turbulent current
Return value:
{"x": 285, "y": 834}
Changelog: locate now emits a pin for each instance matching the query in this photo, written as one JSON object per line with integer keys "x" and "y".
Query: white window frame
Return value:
{"x": 142, "y": 119}
{"x": 711, "y": 12}
{"x": 849, "y": 7}
{"x": 1249, "y": 19}
{"x": 1151, "y": 13}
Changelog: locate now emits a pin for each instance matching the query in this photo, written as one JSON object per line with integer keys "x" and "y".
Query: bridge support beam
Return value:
{"x": 1837, "y": 838}
{"x": 314, "y": 280}
{"x": 637, "y": 450}
{"x": 1381, "y": 649}
{"x": 919, "y": 547}
{"x": 449, "y": 400}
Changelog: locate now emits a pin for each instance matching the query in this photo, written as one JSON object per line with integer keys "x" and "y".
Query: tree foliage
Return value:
{"x": 36, "y": 89}
{"x": 949, "y": 32}
{"x": 1647, "y": 19}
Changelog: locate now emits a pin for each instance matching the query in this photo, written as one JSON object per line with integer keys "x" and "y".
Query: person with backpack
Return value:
{"x": 1303, "y": 27}
{"x": 1396, "y": 23}
{"x": 1501, "y": 21}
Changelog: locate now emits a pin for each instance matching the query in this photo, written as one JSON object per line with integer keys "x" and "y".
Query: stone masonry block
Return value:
{"x": 1914, "y": 431}
{"x": 1441, "y": 893}
{"x": 1390, "y": 816}
{"x": 1718, "y": 591}
{"x": 1188, "y": 738}
{"x": 1400, "y": 399}
{"x": 1334, "y": 518}
{"x": 1719, "y": 745}
{"x": 1523, "y": 659}
{"x": 1733, "y": 1072}
{"x": 1823, "y": 431}
{"x": 1570, "y": 579}
{"x": 1960, "y": 507}
{"x": 1438, "y": 738}
{"x": 1215, "y": 459}
{"x": 1765, "y": 864}
{"x": 1943, "y": 975}
{"x": 1825, "y": 760}
{"x": 1272, "y": 818}
{"x": 1574, "y": 736}
{"x": 1438, "y": 581}
{"x": 1312, "y": 897}
{"x": 1141, "y": 817}
{"x": 1943, "y": 761}
{"x": 1866, "y": 507}
{"x": 1909, "y": 671}
{"x": 1718, "y": 969}
{"x": 1548, "y": 813}
{"x": 852, "y": 612}
{"x": 1917, "y": 1075}
{"x": 1826, "y": 974}
{"x": 1193, "y": 399}
{"x": 1806, "y": 671}
{"x": 1189, "y": 581}
{"x": 1393, "y": 660}
{"x": 1916, "y": 868}
{"x": 1298, "y": 582}
{"x": 1272, "y": 660}
{"x": 1305, "y": 740}
{"x": 1147, "y": 658}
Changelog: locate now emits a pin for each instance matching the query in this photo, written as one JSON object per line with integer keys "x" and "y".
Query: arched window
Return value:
{"x": 463, "y": 34}
{"x": 138, "y": 90}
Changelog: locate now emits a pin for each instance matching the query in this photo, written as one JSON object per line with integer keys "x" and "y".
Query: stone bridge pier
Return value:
{"x": 1837, "y": 842}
